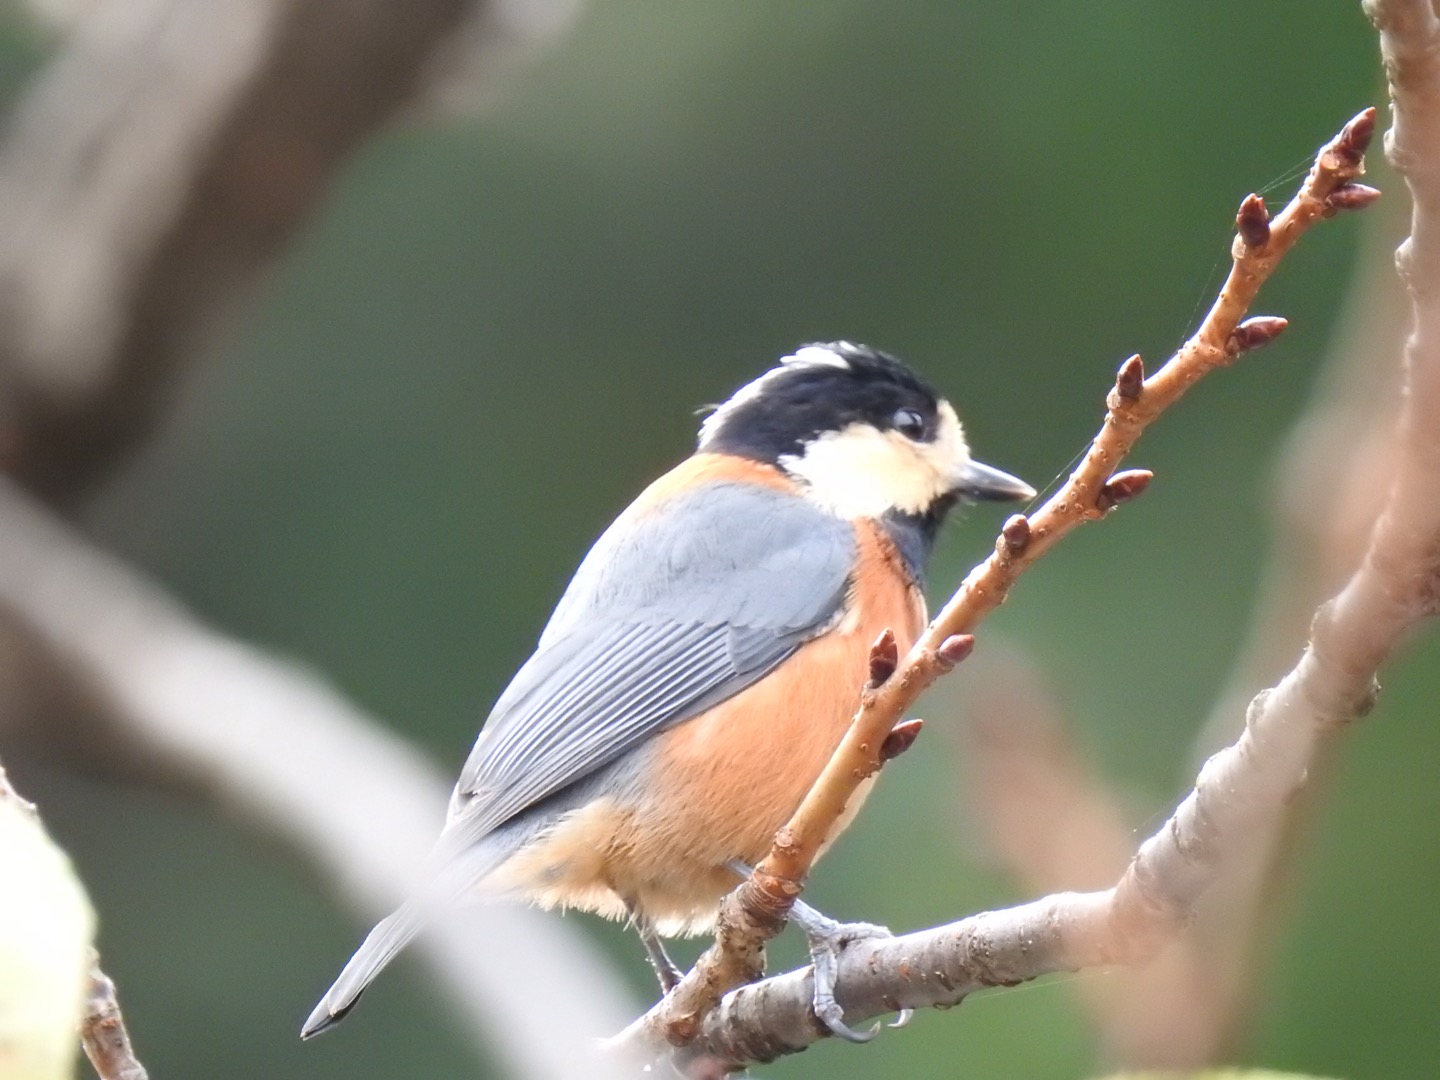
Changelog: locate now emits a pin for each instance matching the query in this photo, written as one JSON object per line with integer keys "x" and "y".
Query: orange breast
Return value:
{"x": 720, "y": 784}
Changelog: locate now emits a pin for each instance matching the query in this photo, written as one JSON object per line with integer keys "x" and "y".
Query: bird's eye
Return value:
{"x": 909, "y": 423}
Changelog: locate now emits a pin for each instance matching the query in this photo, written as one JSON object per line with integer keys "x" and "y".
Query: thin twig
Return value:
{"x": 757, "y": 909}
{"x": 103, "y": 1034}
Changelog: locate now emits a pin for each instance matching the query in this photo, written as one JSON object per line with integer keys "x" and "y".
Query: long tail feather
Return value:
{"x": 390, "y": 935}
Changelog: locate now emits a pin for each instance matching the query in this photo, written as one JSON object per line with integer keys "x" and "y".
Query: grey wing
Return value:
{"x": 667, "y": 616}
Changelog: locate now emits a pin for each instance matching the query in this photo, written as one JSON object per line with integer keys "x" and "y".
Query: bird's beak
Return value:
{"x": 985, "y": 483}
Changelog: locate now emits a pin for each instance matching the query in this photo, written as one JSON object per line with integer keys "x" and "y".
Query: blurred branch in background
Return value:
{"x": 1331, "y": 483}
{"x": 194, "y": 711}
{"x": 160, "y": 163}
{"x": 1329, "y": 486}
{"x": 1053, "y": 823}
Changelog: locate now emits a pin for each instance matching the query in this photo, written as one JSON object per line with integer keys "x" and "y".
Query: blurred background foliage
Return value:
{"x": 497, "y": 331}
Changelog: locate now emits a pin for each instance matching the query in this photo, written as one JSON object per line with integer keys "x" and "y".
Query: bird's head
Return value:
{"x": 860, "y": 432}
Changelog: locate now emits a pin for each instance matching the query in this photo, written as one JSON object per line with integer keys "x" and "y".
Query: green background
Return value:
{"x": 497, "y": 331}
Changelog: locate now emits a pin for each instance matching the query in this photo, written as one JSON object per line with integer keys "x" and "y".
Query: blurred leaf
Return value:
{"x": 47, "y": 928}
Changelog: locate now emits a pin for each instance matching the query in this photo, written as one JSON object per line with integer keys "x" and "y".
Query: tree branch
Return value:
{"x": 757, "y": 909}
{"x": 103, "y": 1034}
{"x": 281, "y": 749}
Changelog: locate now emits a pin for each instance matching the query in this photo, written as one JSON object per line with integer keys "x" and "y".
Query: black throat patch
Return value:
{"x": 914, "y": 536}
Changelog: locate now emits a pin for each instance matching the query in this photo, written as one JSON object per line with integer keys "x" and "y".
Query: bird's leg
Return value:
{"x": 827, "y": 938}
{"x": 665, "y": 969}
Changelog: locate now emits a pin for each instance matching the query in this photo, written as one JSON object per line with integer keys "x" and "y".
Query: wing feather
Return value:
{"x": 668, "y": 615}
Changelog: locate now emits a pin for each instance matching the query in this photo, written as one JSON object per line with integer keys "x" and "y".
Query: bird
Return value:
{"x": 704, "y": 662}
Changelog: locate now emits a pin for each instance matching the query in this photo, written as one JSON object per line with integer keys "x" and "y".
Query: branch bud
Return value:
{"x": 1130, "y": 379}
{"x": 954, "y": 649}
{"x": 1354, "y": 140}
{"x": 902, "y": 736}
{"x": 1122, "y": 487}
{"x": 1253, "y": 333}
{"x": 1015, "y": 534}
{"x": 1351, "y": 197}
{"x": 1253, "y": 222}
{"x": 884, "y": 659}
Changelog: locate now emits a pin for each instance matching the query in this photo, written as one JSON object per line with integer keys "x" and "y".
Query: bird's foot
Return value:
{"x": 828, "y": 938}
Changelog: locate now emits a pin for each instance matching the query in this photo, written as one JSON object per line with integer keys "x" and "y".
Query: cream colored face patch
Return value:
{"x": 861, "y": 471}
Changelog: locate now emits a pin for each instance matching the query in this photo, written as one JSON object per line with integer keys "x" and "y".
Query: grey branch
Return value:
{"x": 160, "y": 163}
{"x": 274, "y": 743}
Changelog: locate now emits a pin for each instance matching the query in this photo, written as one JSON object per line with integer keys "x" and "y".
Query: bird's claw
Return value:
{"x": 825, "y": 956}
{"x": 827, "y": 939}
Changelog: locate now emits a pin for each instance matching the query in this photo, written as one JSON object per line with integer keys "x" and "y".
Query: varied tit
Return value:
{"x": 705, "y": 661}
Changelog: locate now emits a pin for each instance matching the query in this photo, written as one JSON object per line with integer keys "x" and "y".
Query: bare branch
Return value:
{"x": 277, "y": 746}
{"x": 757, "y": 909}
{"x": 103, "y": 1034}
